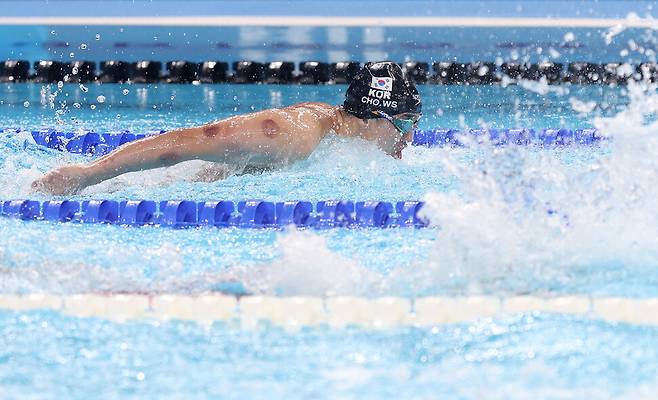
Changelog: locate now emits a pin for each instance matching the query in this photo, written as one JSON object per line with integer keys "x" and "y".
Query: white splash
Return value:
{"x": 569, "y": 37}
{"x": 523, "y": 214}
{"x": 582, "y": 106}
{"x": 541, "y": 86}
{"x": 307, "y": 267}
{"x": 631, "y": 20}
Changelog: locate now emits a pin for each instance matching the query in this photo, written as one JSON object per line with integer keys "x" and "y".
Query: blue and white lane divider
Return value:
{"x": 242, "y": 214}
{"x": 504, "y": 136}
{"x": 95, "y": 143}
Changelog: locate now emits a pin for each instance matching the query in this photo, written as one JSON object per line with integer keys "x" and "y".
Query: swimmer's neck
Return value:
{"x": 346, "y": 124}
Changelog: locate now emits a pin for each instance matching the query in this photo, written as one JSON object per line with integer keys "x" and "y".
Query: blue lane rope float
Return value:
{"x": 242, "y": 214}
{"x": 101, "y": 143}
{"x": 505, "y": 136}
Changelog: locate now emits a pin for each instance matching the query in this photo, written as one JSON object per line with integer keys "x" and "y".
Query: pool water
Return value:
{"x": 490, "y": 234}
{"x": 534, "y": 356}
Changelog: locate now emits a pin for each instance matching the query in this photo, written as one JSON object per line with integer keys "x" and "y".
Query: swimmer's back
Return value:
{"x": 288, "y": 133}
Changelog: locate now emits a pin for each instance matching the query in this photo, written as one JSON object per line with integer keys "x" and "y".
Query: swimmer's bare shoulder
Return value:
{"x": 312, "y": 113}
{"x": 288, "y": 133}
{"x": 291, "y": 132}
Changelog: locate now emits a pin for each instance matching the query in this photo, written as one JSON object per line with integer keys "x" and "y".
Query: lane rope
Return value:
{"x": 318, "y": 72}
{"x": 335, "y": 312}
{"x": 222, "y": 214}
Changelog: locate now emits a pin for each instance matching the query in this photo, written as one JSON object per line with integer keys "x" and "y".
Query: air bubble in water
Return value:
{"x": 74, "y": 71}
{"x": 26, "y": 104}
{"x": 60, "y": 85}
{"x": 125, "y": 92}
{"x": 100, "y": 99}
{"x": 76, "y": 105}
{"x": 83, "y": 88}
{"x": 52, "y": 32}
{"x": 83, "y": 46}
{"x": 71, "y": 54}
{"x": 93, "y": 106}
{"x": 98, "y": 36}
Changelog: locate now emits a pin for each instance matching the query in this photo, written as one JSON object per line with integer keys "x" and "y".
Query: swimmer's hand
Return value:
{"x": 66, "y": 180}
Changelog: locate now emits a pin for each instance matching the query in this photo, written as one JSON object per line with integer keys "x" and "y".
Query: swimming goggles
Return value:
{"x": 402, "y": 122}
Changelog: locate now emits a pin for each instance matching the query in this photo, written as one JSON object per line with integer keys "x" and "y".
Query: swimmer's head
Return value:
{"x": 379, "y": 89}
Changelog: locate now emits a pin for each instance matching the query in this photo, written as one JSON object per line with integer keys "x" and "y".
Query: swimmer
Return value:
{"x": 380, "y": 106}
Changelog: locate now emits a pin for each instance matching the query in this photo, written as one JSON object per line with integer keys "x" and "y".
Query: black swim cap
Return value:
{"x": 380, "y": 86}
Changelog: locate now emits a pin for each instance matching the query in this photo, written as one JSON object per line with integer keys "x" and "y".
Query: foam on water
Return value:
{"x": 520, "y": 215}
{"x": 308, "y": 267}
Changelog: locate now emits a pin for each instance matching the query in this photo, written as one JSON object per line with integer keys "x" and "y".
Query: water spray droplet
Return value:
{"x": 93, "y": 106}
{"x": 83, "y": 46}
{"x": 98, "y": 36}
{"x": 26, "y": 104}
{"x": 76, "y": 105}
{"x": 83, "y": 88}
{"x": 100, "y": 99}
{"x": 60, "y": 85}
{"x": 125, "y": 92}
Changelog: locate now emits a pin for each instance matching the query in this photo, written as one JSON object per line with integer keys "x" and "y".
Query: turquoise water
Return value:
{"x": 536, "y": 356}
{"x": 144, "y": 107}
{"x": 491, "y": 234}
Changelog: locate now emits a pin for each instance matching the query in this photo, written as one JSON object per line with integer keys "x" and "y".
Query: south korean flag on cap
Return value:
{"x": 385, "y": 83}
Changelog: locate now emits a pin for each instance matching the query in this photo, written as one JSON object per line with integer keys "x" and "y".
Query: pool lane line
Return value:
{"x": 334, "y": 312}
{"x": 222, "y": 213}
{"x": 319, "y": 21}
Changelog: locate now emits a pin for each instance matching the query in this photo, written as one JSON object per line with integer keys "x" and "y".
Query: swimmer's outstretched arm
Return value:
{"x": 263, "y": 136}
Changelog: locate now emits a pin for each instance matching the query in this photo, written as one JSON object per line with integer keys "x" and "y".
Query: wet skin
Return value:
{"x": 261, "y": 140}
